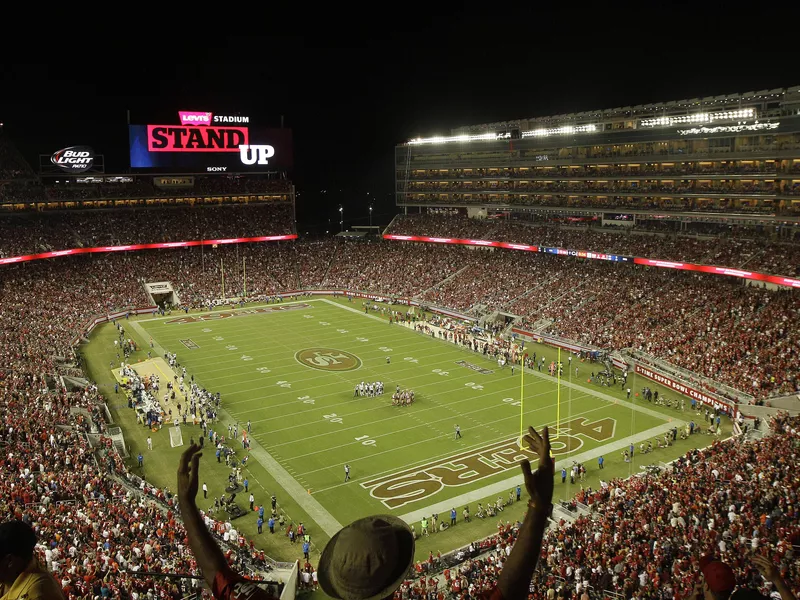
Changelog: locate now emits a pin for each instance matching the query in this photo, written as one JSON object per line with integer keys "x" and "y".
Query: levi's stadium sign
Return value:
{"x": 75, "y": 159}
{"x": 206, "y": 142}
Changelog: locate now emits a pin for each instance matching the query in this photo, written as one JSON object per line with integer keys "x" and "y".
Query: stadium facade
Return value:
{"x": 731, "y": 159}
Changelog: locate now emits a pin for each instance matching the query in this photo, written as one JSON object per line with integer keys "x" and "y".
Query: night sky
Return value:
{"x": 349, "y": 106}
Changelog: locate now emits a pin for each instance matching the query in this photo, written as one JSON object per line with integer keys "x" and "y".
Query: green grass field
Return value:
{"x": 292, "y": 372}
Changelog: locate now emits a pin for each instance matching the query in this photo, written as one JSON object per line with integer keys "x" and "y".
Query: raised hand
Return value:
{"x": 539, "y": 483}
{"x": 765, "y": 566}
{"x": 188, "y": 474}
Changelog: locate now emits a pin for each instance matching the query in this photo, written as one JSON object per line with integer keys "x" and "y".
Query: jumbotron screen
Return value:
{"x": 205, "y": 142}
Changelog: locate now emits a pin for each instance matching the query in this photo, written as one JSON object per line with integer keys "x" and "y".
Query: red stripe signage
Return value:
{"x": 436, "y": 240}
{"x": 776, "y": 279}
{"x": 665, "y": 264}
{"x": 73, "y": 251}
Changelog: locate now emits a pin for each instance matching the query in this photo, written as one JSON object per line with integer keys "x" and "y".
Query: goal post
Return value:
{"x": 175, "y": 437}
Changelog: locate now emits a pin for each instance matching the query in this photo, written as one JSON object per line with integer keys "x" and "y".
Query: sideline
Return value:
{"x": 502, "y": 487}
{"x": 307, "y": 502}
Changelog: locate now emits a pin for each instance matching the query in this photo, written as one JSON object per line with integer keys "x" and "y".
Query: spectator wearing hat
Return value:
{"x": 21, "y": 576}
{"x": 719, "y": 580}
{"x": 370, "y": 558}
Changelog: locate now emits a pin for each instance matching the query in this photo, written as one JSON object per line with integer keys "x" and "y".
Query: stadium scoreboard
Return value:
{"x": 205, "y": 142}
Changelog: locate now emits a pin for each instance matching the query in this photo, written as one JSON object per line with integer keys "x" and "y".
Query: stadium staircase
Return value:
{"x": 560, "y": 513}
{"x": 328, "y": 268}
{"x": 118, "y": 440}
{"x": 441, "y": 283}
{"x": 389, "y": 226}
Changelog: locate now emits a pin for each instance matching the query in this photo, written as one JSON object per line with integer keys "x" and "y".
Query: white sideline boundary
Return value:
{"x": 307, "y": 502}
{"x": 329, "y": 523}
{"x": 501, "y": 487}
{"x": 511, "y": 482}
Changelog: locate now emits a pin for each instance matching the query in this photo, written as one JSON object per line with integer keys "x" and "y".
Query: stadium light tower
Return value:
{"x": 341, "y": 219}
{"x": 370, "y": 215}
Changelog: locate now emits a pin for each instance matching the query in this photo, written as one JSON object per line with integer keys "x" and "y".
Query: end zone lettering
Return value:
{"x": 171, "y": 138}
{"x": 238, "y": 313}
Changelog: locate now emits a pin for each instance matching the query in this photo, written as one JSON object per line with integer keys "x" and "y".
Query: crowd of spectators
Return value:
{"x": 97, "y": 524}
{"x": 95, "y": 527}
{"x": 643, "y": 537}
{"x": 31, "y": 233}
{"x": 757, "y": 254}
{"x": 743, "y": 336}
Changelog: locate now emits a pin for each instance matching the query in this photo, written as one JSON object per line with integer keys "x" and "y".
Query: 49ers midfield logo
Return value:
{"x": 420, "y": 483}
{"x": 328, "y": 359}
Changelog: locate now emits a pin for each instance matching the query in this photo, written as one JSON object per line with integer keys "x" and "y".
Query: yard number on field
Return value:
{"x": 474, "y": 386}
{"x": 218, "y": 338}
{"x": 512, "y": 401}
{"x": 231, "y": 347}
{"x": 324, "y": 323}
{"x": 206, "y": 330}
{"x": 245, "y": 357}
{"x": 362, "y": 339}
{"x": 411, "y": 359}
{"x": 342, "y": 330}
{"x": 332, "y": 418}
{"x": 285, "y": 384}
{"x": 384, "y": 349}
{"x": 306, "y": 399}
{"x": 440, "y": 372}
{"x": 365, "y": 440}
{"x": 263, "y": 370}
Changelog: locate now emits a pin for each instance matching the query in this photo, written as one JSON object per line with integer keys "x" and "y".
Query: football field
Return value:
{"x": 291, "y": 369}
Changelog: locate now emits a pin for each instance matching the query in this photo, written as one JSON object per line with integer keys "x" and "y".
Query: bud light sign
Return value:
{"x": 206, "y": 142}
{"x": 75, "y": 159}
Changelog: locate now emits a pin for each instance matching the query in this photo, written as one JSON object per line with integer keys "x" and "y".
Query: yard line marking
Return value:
{"x": 280, "y": 357}
{"x": 462, "y": 449}
{"x": 298, "y": 492}
{"x": 354, "y": 399}
{"x": 399, "y": 414}
{"x": 399, "y": 343}
{"x": 448, "y": 418}
{"x": 511, "y": 482}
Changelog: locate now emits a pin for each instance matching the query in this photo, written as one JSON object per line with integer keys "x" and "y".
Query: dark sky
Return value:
{"x": 349, "y": 99}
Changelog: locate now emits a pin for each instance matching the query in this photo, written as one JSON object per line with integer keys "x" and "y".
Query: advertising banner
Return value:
{"x": 681, "y": 266}
{"x": 57, "y": 253}
{"x": 205, "y": 142}
{"x": 665, "y": 264}
{"x": 682, "y": 388}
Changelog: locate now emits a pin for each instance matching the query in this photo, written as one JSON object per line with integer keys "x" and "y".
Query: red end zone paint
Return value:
{"x": 57, "y": 253}
{"x": 227, "y": 314}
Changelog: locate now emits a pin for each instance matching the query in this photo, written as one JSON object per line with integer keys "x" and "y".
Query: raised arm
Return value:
{"x": 206, "y": 551}
{"x": 518, "y": 570}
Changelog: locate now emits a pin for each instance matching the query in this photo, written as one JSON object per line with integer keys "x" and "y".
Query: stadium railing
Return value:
{"x": 728, "y": 393}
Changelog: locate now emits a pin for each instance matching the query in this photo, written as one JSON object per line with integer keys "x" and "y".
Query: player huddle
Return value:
{"x": 368, "y": 389}
{"x": 402, "y": 397}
